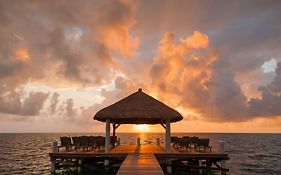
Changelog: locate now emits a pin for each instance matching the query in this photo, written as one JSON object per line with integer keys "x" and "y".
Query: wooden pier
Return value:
{"x": 139, "y": 164}
{"x": 143, "y": 159}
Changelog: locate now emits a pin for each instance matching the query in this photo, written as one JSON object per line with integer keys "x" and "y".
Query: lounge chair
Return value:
{"x": 113, "y": 140}
{"x": 66, "y": 143}
{"x": 84, "y": 142}
{"x": 203, "y": 143}
{"x": 100, "y": 142}
{"x": 194, "y": 141}
{"x": 92, "y": 142}
{"x": 184, "y": 143}
{"x": 76, "y": 143}
{"x": 174, "y": 141}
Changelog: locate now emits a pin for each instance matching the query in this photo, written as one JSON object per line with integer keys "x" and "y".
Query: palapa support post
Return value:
{"x": 221, "y": 150}
{"x": 168, "y": 136}
{"x": 113, "y": 134}
{"x": 168, "y": 144}
{"x": 107, "y": 139}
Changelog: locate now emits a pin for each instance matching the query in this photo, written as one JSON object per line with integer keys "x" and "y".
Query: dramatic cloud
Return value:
{"x": 11, "y": 103}
{"x": 270, "y": 101}
{"x": 54, "y": 103}
{"x": 195, "y": 78}
{"x": 60, "y": 44}
{"x": 182, "y": 70}
{"x": 213, "y": 61}
{"x": 74, "y": 40}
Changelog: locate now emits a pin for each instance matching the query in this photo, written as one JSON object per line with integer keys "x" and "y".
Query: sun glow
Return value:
{"x": 22, "y": 54}
{"x": 141, "y": 128}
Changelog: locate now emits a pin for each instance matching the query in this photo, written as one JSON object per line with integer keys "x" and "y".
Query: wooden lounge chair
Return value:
{"x": 174, "y": 141}
{"x": 113, "y": 140}
{"x": 194, "y": 141}
{"x": 92, "y": 142}
{"x": 203, "y": 143}
{"x": 100, "y": 142}
{"x": 84, "y": 142}
{"x": 76, "y": 143}
{"x": 184, "y": 143}
{"x": 66, "y": 143}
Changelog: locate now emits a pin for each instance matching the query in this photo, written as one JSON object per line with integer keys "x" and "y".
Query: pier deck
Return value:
{"x": 139, "y": 164}
{"x": 142, "y": 159}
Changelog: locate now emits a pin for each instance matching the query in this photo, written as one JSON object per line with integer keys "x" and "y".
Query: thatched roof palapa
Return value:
{"x": 138, "y": 108}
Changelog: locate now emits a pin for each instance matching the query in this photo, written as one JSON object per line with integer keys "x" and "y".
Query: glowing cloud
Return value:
{"x": 197, "y": 40}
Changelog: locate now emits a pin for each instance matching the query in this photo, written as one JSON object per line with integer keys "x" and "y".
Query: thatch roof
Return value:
{"x": 138, "y": 108}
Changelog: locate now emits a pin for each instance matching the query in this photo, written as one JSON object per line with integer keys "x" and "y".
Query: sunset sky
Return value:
{"x": 217, "y": 62}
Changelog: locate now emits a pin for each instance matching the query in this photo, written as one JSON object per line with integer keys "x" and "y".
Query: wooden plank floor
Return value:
{"x": 140, "y": 159}
{"x": 134, "y": 149}
{"x": 140, "y": 164}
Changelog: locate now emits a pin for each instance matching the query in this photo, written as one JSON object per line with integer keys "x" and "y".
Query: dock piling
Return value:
{"x": 79, "y": 165}
{"x": 221, "y": 150}
{"x": 54, "y": 146}
{"x": 200, "y": 165}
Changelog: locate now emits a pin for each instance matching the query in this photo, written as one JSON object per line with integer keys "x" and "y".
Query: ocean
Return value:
{"x": 249, "y": 153}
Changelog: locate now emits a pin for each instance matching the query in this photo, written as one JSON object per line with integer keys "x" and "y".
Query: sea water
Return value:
{"x": 249, "y": 153}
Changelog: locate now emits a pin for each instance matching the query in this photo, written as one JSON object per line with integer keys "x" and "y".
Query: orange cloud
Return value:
{"x": 197, "y": 40}
{"x": 179, "y": 71}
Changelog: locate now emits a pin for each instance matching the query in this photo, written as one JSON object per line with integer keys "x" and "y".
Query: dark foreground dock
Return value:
{"x": 144, "y": 159}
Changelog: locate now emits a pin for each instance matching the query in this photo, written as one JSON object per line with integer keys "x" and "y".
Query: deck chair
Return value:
{"x": 203, "y": 143}
{"x": 66, "y": 143}
{"x": 84, "y": 142}
{"x": 113, "y": 140}
{"x": 194, "y": 141}
{"x": 92, "y": 142}
{"x": 184, "y": 143}
{"x": 174, "y": 141}
{"x": 76, "y": 143}
{"x": 100, "y": 142}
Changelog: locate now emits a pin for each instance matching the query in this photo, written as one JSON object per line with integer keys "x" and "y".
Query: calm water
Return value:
{"x": 249, "y": 153}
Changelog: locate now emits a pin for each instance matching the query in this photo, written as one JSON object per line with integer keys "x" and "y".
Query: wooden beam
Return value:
{"x": 163, "y": 125}
{"x": 117, "y": 125}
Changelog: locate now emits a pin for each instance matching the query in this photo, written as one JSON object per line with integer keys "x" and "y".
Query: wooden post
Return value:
{"x": 79, "y": 165}
{"x": 221, "y": 150}
{"x": 138, "y": 142}
{"x": 169, "y": 169}
{"x": 53, "y": 161}
{"x": 200, "y": 166}
{"x": 107, "y": 139}
{"x": 113, "y": 134}
{"x": 158, "y": 141}
{"x": 107, "y": 135}
{"x": 168, "y": 136}
{"x": 54, "y": 146}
